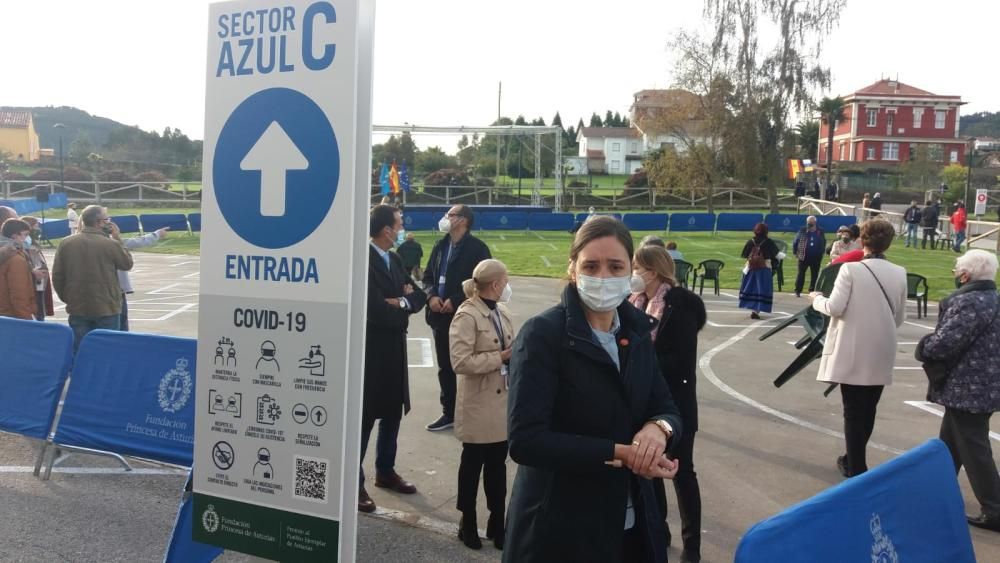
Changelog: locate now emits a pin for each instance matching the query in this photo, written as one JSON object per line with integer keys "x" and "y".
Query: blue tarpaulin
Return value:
{"x": 176, "y": 222}
{"x": 31, "y": 206}
{"x": 692, "y": 222}
{"x": 126, "y": 223}
{"x": 550, "y": 221}
{"x": 501, "y": 221}
{"x": 738, "y": 221}
{"x": 182, "y": 547}
{"x": 779, "y": 223}
{"x": 56, "y": 229}
{"x": 36, "y": 359}
{"x": 133, "y": 394}
{"x": 646, "y": 221}
{"x": 909, "y": 509}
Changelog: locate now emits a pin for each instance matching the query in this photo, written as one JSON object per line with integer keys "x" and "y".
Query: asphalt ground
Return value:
{"x": 760, "y": 449}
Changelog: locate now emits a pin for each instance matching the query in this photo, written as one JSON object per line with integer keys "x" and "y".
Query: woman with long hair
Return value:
{"x": 757, "y": 287}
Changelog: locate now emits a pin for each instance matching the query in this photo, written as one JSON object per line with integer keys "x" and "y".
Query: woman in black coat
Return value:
{"x": 589, "y": 417}
{"x": 681, "y": 314}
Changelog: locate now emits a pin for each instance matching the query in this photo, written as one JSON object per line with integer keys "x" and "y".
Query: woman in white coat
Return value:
{"x": 866, "y": 307}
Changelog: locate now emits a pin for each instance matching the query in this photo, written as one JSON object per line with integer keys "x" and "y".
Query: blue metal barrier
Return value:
{"x": 502, "y": 221}
{"x": 830, "y": 223}
{"x": 56, "y": 229}
{"x": 36, "y": 359}
{"x": 194, "y": 219}
{"x": 550, "y": 221}
{"x": 738, "y": 221}
{"x": 691, "y": 222}
{"x": 126, "y": 223}
{"x": 420, "y": 220}
{"x": 779, "y": 223}
{"x": 646, "y": 221}
{"x": 176, "y": 221}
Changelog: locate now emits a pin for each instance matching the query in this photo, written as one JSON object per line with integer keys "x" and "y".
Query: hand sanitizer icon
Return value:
{"x": 315, "y": 362}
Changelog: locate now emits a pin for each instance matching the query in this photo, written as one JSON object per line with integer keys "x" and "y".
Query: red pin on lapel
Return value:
{"x": 623, "y": 342}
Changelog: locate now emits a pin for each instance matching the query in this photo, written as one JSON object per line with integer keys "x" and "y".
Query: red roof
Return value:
{"x": 15, "y": 119}
{"x": 596, "y": 132}
{"x": 895, "y": 88}
{"x": 595, "y": 153}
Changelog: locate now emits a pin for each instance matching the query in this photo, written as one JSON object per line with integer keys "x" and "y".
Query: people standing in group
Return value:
{"x": 85, "y": 277}
{"x": 964, "y": 345}
{"x": 912, "y": 218}
{"x": 866, "y": 306}
{"x": 809, "y": 246}
{"x": 392, "y": 297}
{"x": 72, "y": 217}
{"x": 482, "y": 337}
{"x": 816, "y": 190}
{"x": 800, "y": 188}
{"x": 589, "y": 417}
{"x": 143, "y": 241}
{"x": 17, "y": 285}
{"x": 876, "y": 204}
{"x": 833, "y": 192}
{"x": 929, "y": 221}
{"x": 959, "y": 223}
{"x": 412, "y": 253}
{"x": 451, "y": 262}
{"x": 44, "y": 305}
{"x": 680, "y": 315}
{"x": 757, "y": 285}
{"x": 847, "y": 247}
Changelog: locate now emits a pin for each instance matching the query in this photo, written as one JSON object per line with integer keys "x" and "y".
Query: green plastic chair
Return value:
{"x": 683, "y": 272}
{"x": 916, "y": 289}
{"x": 780, "y": 270}
{"x": 708, "y": 270}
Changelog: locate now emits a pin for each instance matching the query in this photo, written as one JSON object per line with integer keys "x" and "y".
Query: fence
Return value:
{"x": 604, "y": 198}
{"x": 108, "y": 192}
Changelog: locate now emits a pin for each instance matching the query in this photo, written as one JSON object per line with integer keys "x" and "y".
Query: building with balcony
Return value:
{"x": 888, "y": 122}
{"x": 610, "y": 150}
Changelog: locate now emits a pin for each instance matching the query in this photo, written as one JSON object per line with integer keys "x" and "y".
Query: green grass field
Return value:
{"x": 544, "y": 254}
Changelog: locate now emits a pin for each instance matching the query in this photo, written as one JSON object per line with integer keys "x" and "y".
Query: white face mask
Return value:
{"x": 400, "y": 237}
{"x": 444, "y": 225}
{"x": 27, "y": 241}
{"x": 506, "y": 294}
{"x": 637, "y": 284}
{"x": 602, "y": 294}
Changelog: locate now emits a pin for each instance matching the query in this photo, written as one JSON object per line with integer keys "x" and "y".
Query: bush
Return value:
{"x": 153, "y": 178}
{"x": 14, "y": 176}
{"x": 115, "y": 176}
{"x": 448, "y": 177}
{"x": 577, "y": 184}
{"x": 70, "y": 174}
{"x": 485, "y": 182}
{"x": 637, "y": 180}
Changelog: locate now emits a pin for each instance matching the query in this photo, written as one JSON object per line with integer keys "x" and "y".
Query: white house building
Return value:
{"x": 668, "y": 119}
{"x": 609, "y": 150}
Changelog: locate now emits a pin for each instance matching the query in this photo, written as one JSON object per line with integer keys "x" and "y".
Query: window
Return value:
{"x": 918, "y": 116}
{"x": 954, "y": 156}
{"x": 872, "y": 115}
{"x": 935, "y": 152}
{"x": 616, "y": 147}
{"x": 890, "y": 151}
{"x": 633, "y": 147}
{"x": 939, "y": 119}
{"x": 841, "y": 151}
{"x": 870, "y": 153}
{"x": 616, "y": 165}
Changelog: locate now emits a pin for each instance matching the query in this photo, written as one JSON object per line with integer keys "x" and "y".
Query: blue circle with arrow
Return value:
{"x": 276, "y": 168}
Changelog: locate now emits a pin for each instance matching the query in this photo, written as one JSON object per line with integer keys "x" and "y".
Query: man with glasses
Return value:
{"x": 451, "y": 262}
{"x": 85, "y": 274}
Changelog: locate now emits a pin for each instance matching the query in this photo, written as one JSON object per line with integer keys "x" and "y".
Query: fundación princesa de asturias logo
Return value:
{"x": 210, "y": 519}
{"x": 175, "y": 387}
{"x": 883, "y": 551}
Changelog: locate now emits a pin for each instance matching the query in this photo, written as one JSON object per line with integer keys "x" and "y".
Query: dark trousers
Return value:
{"x": 39, "y": 305}
{"x": 446, "y": 375}
{"x": 490, "y": 460}
{"x": 124, "y": 315}
{"x": 634, "y": 545}
{"x": 385, "y": 445}
{"x": 929, "y": 233}
{"x": 967, "y": 436}
{"x": 800, "y": 279}
{"x": 82, "y": 325}
{"x": 860, "y": 402}
{"x": 688, "y": 495}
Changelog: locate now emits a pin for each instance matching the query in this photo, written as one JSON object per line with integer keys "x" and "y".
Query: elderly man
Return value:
{"x": 809, "y": 247}
{"x": 6, "y": 213}
{"x": 85, "y": 274}
{"x": 963, "y": 347}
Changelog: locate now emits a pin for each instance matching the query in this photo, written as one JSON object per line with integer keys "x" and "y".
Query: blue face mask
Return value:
{"x": 400, "y": 237}
{"x": 27, "y": 241}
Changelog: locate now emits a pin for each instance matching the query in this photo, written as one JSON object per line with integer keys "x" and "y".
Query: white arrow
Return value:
{"x": 274, "y": 154}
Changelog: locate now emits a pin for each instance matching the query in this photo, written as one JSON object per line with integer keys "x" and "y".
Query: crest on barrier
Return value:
{"x": 503, "y": 219}
{"x": 691, "y": 221}
{"x": 175, "y": 387}
{"x": 210, "y": 519}
{"x": 883, "y": 551}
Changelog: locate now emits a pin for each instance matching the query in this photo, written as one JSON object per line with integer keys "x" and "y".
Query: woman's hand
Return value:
{"x": 648, "y": 446}
{"x": 505, "y": 355}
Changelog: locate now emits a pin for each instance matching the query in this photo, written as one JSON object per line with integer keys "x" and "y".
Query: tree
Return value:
{"x": 617, "y": 120}
{"x": 919, "y": 167}
{"x": 807, "y": 133}
{"x": 595, "y": 120}
{"x": 557, "y": 121}
{"x": 520, "y": 120}
{"x": 609, "y": 119}
{"x": 766, "y": 81}
{"x": 432, "y": 160}
{"x": 400, "y": 149}
{"x": 954, "y": 176}
{"x": 831, "y": 112}
{"x": 80, "y": 148}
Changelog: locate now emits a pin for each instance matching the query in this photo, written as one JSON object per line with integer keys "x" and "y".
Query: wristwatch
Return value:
{"x": 402, "y": 303}
{"x": 663, "y": 425}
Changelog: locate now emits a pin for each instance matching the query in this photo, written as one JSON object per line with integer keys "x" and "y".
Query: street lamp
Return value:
{"x": 62, "y": 183}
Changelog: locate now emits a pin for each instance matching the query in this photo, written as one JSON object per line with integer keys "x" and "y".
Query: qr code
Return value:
{"x": 311, "y": 478}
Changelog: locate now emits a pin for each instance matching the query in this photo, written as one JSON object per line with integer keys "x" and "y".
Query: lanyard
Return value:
{"x": 497, "y": 326}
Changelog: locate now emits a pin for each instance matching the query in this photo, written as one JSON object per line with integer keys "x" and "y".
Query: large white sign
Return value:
{"x": 981, "y": 199}
{"x": 280, "y": 332}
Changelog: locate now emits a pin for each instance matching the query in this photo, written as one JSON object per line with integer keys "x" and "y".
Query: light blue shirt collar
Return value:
{"x": 383, "y": 253}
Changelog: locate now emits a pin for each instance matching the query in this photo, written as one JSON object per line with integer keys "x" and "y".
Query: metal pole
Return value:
{"x": 499, "y": 91}
{"x": 558, "y": 173}
{"x": 968, "y": 176}
{"x": 536, "y": 196}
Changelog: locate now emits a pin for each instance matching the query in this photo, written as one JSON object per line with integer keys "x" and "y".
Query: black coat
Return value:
{"x": 568, "y": 406}
{"x": 677, "y": 350}
{"x": 387, "y": 385}
{"x": 470, "y": 252}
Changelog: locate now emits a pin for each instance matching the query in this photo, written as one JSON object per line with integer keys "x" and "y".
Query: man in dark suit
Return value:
{"x": 451, "y": 262}
{"x": 392, "y": 297}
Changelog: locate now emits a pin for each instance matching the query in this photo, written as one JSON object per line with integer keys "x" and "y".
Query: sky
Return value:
{"x": 438, "y": 62}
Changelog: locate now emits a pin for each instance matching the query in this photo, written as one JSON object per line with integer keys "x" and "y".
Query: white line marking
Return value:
{"x": 427, "y": 356}
{"x": 419, "y": 521}
{"x": 175, "y": 264}
{"x": 718, "y": 325}
{"x": 176, "y": 312}
{"x": 728, "y": 295}
{"x": 539, "y": 235}
{"x": 496, "y": 248}
{"x": 898, "y": 368}
{"x": 929, "y": 407}
{"x": 705, "y": 363}
{"x": 191, "y": 275}
{"x": 545, "y": 261}
{"x": 93, "y": 470}
{"x": 552, "y": 246}
{"x": 503, "y": 237}
{"x": 919, "y": 325}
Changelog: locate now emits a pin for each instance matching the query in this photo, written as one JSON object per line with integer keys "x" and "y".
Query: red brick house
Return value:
{"x": 887, "y": 121}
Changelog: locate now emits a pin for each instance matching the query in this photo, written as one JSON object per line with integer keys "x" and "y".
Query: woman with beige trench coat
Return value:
{"x": 481, "y": 336}
{"x": 866, "y": 306}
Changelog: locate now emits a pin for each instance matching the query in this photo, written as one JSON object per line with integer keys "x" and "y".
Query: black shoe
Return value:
{"x": 985, "y": 522}
{"x": 443, "y": 422}
{"x": 690, "y": 557}
{"x": 495, "y": 529}
{"x": 842, "y": 466}
{"x": 755, "y": 315}
{"x": 798, "y": 294}
{"x": 468, "y": 532}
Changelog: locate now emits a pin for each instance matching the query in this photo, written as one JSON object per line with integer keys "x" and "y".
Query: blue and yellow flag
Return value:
{"x": 383, "y": 179}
